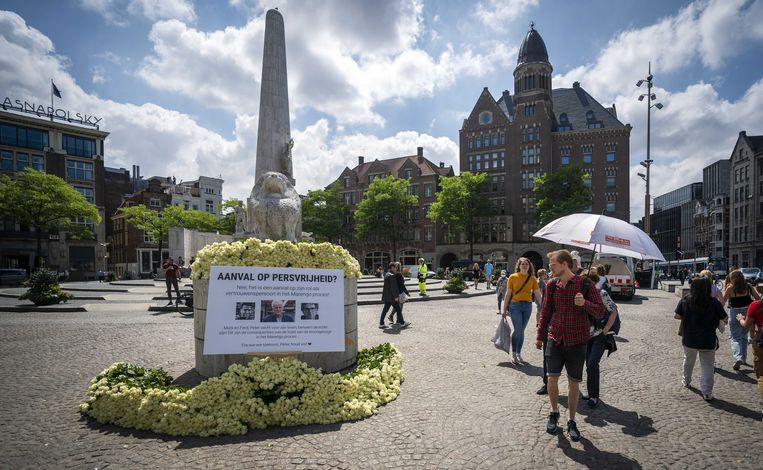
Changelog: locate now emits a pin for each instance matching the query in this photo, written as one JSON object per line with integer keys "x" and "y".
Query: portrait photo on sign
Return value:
{"x": 278, "y": 310}
{"x": 309, "y": 311}
{"x": 246, "y": 310}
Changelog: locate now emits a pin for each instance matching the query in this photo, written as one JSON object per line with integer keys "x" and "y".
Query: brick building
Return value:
{"x": 746, "y": 202}
{"x": 419, "y": 235}
{"x": 534, "y": 131}
{"x": 73, "y": 153}
{"x": 130, "y": 250}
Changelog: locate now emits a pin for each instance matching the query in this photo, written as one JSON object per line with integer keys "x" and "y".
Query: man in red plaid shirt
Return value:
{"x": 564, "y": 318}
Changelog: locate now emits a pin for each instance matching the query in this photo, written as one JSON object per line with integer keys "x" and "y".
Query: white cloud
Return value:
{"x": 98, "y": 74}
{"x": 697, "y": 126}
{"x": 116, "y": 12}
{"x": 343, "y": 68}
{"x": 169, "y": 143}
{"x": 321, "y": 158}
{"x": 496, "y": 13}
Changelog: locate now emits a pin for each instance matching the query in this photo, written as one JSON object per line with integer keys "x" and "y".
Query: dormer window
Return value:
{"x": 591, "y": 121}
{"x": 564, "y": 123}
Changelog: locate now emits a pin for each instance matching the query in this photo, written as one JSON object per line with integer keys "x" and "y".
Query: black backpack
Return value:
{"x": 598, "y": 323}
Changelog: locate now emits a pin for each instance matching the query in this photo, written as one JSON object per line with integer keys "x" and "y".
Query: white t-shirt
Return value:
{"x": 600, "y": 283}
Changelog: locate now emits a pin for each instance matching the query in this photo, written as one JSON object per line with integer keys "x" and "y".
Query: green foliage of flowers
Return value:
{"x": 265, "y": 392}
{"x": 269, "y": 253}
{"x": 44, "y": 288}
{"x": 455, "y": 284}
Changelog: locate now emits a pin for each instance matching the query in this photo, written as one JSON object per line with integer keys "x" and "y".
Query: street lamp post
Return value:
{"x": 648, "y": 162}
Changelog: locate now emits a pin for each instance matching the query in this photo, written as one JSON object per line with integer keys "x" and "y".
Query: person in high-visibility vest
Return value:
{"x": 422, "y": 277}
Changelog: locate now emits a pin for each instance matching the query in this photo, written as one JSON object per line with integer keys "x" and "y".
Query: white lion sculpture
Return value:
{"x": 274, "y": 209}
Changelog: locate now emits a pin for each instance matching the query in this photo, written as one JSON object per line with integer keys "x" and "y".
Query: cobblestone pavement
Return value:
{"x": 463, "y": 405}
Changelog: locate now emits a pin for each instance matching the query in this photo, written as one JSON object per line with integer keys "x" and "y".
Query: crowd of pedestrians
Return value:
{"x": 577, "y": 322}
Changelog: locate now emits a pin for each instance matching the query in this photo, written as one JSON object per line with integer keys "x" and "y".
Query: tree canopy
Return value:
{"x": 561, "y": 193}
{"x": 382, "y": 209}
{"x": 322, "y": 213}
{"x": 47, "y": 203}
{"x": 461, "y": 202}
{"x": 227, "y": 224}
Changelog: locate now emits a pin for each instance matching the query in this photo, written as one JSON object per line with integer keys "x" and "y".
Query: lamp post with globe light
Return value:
{"x": 648, "y": 162}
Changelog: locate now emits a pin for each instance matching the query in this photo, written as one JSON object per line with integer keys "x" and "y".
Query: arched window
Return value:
{"x": 495, "y": 139}
{"x": 408, "y": 257}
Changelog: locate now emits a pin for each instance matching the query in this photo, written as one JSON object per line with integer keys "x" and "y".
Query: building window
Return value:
{"x": 428, "y": 233}
{"x": 587, "y": 182}
{"x": 610, "y": 181}
{"x": 408, "y": 173}
{"x": 209, "y": 190}
{"x": 501, "y": 159}
{"x": 565, "y": 160}
{"x": 503, "y": 138}
{"x": 22, "y": 161}
{"x": 79, "y": 146}
{"x": 413, "y": 189}
{"x": 209, "y": 206}
{"x": 79, "y": 170}
{"x": 346, "y": 182}
{"x": 564, "y": 123}
{"x": 486, "y": 140}
{"x": 87, "y": 193}
{"x": 347, "y": 197}
{"x": 6, "y": 160}
{"x": 610, "y": 156}
{"x": 428, "y": 190}
{"x": 495, "y": 139}
{"x": 38, "y": 162}
{"x": 146, "y": 238}
{"x": 154, "y": 202}
{"x": 19, "y": 136}
{"x": 478, "y": 142}
{"x": 470, "y": 143}
{"x": 530, "y": 136}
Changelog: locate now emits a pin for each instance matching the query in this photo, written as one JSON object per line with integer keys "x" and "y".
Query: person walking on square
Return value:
{"x": 542, "y": 281}
{"x": 476, "y": 274}
{"x": 700, "y": 315}
{"x": 401, "y": 288}
{"x": 754, "y": 321}
{"x": 421, "y": 276}
{"x": 391, "y": 297}
{"x": 739, "y": 295}
{"x": 520, "y": 288}
{"x": 600, "y": 332}
{"x": 564, "y": 321}
{"x": 489, "y": 274}
{"x": 500, "y": 289}
{"x": 171, "y": 274}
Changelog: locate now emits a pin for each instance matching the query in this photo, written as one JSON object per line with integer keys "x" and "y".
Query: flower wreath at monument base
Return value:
{"x": 266, "y": 392}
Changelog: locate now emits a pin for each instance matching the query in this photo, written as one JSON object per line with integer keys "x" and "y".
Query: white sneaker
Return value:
{"x": 514, "y": 358}
{"x": 519, "y": 358}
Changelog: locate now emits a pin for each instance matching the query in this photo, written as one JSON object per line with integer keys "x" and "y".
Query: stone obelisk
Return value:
{"x": 273, "y": 132}
{"x": 273, "y": 209}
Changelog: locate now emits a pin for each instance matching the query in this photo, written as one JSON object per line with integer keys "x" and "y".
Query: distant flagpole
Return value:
{"x": 51, "y": 100}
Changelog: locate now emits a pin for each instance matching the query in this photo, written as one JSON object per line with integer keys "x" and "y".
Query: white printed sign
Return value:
{"x": 255, "y": 309}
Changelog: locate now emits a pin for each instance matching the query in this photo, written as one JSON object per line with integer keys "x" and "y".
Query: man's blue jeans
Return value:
{"x": 520, "y": 316}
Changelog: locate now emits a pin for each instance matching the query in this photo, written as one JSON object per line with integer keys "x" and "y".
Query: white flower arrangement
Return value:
{"x": 265, "y": 392}
{"x": 269, "y": 253}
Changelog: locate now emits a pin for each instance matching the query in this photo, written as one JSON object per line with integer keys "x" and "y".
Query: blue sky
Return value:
{"x": 177, "y": 81}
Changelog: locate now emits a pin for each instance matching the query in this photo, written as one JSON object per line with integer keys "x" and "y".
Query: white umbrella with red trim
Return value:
{"x": 601, "y": 234}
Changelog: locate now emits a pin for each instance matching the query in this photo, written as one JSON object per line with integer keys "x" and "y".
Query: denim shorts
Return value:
{"x": 560, "y": 356}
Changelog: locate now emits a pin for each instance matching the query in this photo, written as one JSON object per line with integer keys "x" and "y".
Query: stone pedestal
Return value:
{"x": 214, "y": 365}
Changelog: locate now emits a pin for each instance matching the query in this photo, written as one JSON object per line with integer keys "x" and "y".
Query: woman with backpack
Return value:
{"x": 600, "y": 329}
{"x": 754, "y": 321}
{"x": 739, "y": 295}
{"x": 700, "y": 315}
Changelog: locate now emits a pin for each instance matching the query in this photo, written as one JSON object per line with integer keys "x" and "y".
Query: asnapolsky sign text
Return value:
{"x": 64, "y": 114}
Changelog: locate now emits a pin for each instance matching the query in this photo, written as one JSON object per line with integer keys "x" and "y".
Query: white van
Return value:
{"x": 620, "y": 272}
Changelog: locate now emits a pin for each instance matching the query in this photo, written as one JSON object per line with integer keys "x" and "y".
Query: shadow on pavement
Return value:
{"x": 191, "y": 442}
{"x": 528, "y": 369}
{"x": 729, "y": 407}
{"x": 740, "y": 376}
{"x": 592, "y": 457}
{"x": 633, "y": 424}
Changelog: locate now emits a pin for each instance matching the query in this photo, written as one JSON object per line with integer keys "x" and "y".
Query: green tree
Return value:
{"x": 382, "y": 209}
{"x": 227, "y": 224}
{"x": 322, "y": 213}
{"x": 461, "y": 202}
{"x": 47, "y": 203}
{"x": 199, "y": 220}
{"x": 155, "y": 225}
{"x": 561, "y": 193}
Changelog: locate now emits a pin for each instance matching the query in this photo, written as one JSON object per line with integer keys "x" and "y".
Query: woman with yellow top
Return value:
{"x": 518, "y": 300}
